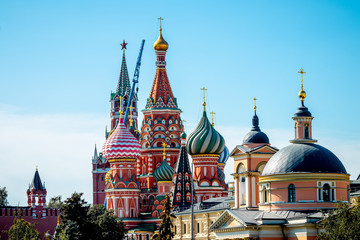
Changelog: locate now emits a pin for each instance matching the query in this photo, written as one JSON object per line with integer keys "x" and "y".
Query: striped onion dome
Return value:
{"x": 224, "y": 156}
{"x": 164, "y": 172}
{"x": 205, "y": 139}
{"x": 121, "y": 144}
{"x": 221, "y": 174}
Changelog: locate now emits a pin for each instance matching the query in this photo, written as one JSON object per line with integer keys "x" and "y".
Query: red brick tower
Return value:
{"x": 36, "y": 191}
{"x": 161, "y": 124}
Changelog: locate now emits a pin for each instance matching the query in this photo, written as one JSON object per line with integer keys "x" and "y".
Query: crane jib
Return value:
{"x": 135, "y": 79}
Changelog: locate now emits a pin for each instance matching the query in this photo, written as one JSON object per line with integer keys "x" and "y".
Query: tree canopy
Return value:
{"x": 23, "y": 230}
{"x": 165, "y": 230}
{"x": 3, "y": 197}
{"x": 55, "y": 202}
{"x": 80, "y": 221}
{"x": 342, "y": 223}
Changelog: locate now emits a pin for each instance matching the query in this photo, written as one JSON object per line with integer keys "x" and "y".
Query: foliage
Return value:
{"x": 80, "y": 221}
{"x": 23, "y": 230}
{"x": 342, "y": 223}
{"x": 55, "y": 202}
{"x": 165, "y": 232}
{"x": 3, "y": 197}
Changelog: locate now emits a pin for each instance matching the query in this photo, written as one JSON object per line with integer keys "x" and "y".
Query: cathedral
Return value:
{"x": 278, "y": 194}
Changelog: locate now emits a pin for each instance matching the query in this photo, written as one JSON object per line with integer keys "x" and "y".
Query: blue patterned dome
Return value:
{"x": 164, "y": 172}
{"x": 221, "y": 174}
{"x": 205, "y": 139}
{"x": 224, "y": 156}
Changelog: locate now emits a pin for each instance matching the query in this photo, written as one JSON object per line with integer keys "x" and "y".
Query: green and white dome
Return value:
{"x": 164, "y": 172}
{"x": 205, "y": 139}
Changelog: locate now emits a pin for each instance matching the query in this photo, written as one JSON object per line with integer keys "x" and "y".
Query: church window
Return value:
{"x": 212, "y": 171}
{"x": 197, "y": 227}
{"x": 102, "y": 178}
{"x": 188, "y": 197}
{"x": 205, "y": 171}
{"x": 184, "y": 228}
{"x": 188, "y": 186}
{"x": 326, "y": 193}
{"x": 175, "y": 230}
{"x": 179, "y": 176}
{"x": 306, "y": 131}
{"x": 186, "y": 176}
{"x": 179, "y": 186}
{"x": 172, "y": 145}
{"x": 291, "y": 193}
{"x": 151, "y": 200}
{"x": 132, "y": 213}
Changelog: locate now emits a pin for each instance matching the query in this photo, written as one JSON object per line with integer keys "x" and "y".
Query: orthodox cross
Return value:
{"x": 183, "y": 123}
{"x": 121, "y": 105}
{"x": 131, "y": 120}
{"x": 301, "y": 72}
{"x": 164, "y": 154}
{"x": 123, "y": 45}
{"x": 212, "y": 118}
{"x": 255, "y": 103}
{"x": 160, "y": 19}
{"x": 204, "y": 89}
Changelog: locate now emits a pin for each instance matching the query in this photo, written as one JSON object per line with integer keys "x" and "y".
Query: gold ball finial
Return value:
{"x": 302, "y": 93}
{"x": 161, "y": 44}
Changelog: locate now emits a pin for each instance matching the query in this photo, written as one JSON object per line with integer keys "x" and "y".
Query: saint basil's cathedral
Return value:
{"x": 278, "y": 193}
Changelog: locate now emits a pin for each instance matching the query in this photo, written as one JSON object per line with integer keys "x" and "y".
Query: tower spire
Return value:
{"x": 255, "y": 120}
{"x": 123, "y": 87}
{"x": 302, "y": 93}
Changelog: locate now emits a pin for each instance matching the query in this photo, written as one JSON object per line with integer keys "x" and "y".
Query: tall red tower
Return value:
{"x": 161, "y": 124}
{"x": 36, "y": 192}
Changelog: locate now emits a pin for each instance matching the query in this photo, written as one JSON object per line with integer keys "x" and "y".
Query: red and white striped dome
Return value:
{"x": 121, "y": 144}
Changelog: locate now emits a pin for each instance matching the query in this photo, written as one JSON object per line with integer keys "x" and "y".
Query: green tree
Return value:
{"x": 342, "y": 223}
{"x": 23, "y": 230}
{"x": 55, "y": 202}
{"x": 165, "y": 232}
{"x": 3, "y": 197}
{"x": 80, "y": 221}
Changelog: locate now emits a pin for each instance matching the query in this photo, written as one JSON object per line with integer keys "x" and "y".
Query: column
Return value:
{"x": 248, "y": 189}
{"x": 253, "y": 191}
{"x": 237, "y": 192}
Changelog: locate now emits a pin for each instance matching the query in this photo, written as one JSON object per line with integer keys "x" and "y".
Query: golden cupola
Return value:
{"x": 161, "y": 44}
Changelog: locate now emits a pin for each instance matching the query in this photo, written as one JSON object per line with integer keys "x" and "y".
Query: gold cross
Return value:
{"x": 204, "y": 89}
{"x": 131, "y": 120}
{"x": 183, "y": 123}
{"x": 121, "y": 107}
{"x": 301, "y": 72}
{"x": 160, "y": 19}
{"x": 212, "y": 118}
{"x": 255, "y": 103}
{"x": 164, "y": 145}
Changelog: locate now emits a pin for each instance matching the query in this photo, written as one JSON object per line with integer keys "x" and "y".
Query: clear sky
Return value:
{"x": 59, "y": 61}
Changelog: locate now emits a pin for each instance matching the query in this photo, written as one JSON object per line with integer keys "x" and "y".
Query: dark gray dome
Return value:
{"x": 304, "y": 157}
{"x": 256, "y": 137}
{"x": 302, "y": 112}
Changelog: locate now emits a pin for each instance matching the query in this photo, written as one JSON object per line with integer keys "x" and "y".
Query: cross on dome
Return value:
{"x": 212, "y": 118}
{"x": 204, "y": 89}
{"x": 160, "y": 19}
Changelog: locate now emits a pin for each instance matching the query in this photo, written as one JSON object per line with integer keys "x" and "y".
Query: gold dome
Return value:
{"x": 161, "y": 44}
{"x": 302, "y": 95}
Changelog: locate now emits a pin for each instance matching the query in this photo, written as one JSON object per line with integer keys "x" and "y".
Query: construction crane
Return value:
{"x": 135, "y": 79}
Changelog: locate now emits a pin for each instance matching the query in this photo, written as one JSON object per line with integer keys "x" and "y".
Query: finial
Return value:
{"x": 123, "y": 45}
{"x": 204, "y": 104}
{"x": 160, "y": 19}
{"x": 131, "y": 120}
{"x": 183, "y": 125}
{"x": 121, "y": 106}
{"x": 37, "y": 167}
{"x": 212, "y": 118}
{"x": 164, "y": 154}
{"x": 302, "y": 93}
{"x": 58, "y": 220}
{"x": 255, "y": 104}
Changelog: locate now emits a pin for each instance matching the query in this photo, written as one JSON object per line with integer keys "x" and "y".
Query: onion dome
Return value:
{"x": 224, "y": 156}
{"x": 221, "y": 174}
{"x": 183, "y": 135}
{"x": 256, "y": 135}
{"x": 304, "y": 158}
{"x": 161, "y": 44}
{"x": 205, "y": 139}
{"x": 164, "y": 172}
{"x": 302, "y": 111}
{"x": 121, "y": 144}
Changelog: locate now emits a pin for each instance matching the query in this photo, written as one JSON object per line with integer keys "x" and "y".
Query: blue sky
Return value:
{"x": 60, "y": 60}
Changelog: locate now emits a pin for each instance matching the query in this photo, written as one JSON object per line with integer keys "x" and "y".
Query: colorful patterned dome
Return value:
{"x": 224, "y": 156}
{"x": 121, "y": 144}
{"x": 221, "y": 174}
{"x": 205, "y": 139}
{"x": 164, "y": 172}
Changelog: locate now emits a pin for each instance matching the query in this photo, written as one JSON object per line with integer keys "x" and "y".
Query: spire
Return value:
{"x": 161, "y": 95}
{"x": 36, "y": 182}
{"x": 302, "y": 93}
{"x": 204, "y": 103}
{"x": 95, "y": 154}
{"x": 123, "y": 87}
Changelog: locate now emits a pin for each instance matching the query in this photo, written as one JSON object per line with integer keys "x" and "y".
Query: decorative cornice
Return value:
{"x": 122, "y": 160}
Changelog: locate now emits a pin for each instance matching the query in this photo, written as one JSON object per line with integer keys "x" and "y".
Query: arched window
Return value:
{"x": 265, "y": 195}
{"x": 187, "y": 186}
{"x": 291, "y": 193}
{"x": 151, "y": 200}
{"x": 326, "y": 193}
{"x": 306, "y": 131}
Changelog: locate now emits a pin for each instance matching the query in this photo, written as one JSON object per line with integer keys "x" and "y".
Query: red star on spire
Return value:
{"x": 123, "y": 45}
